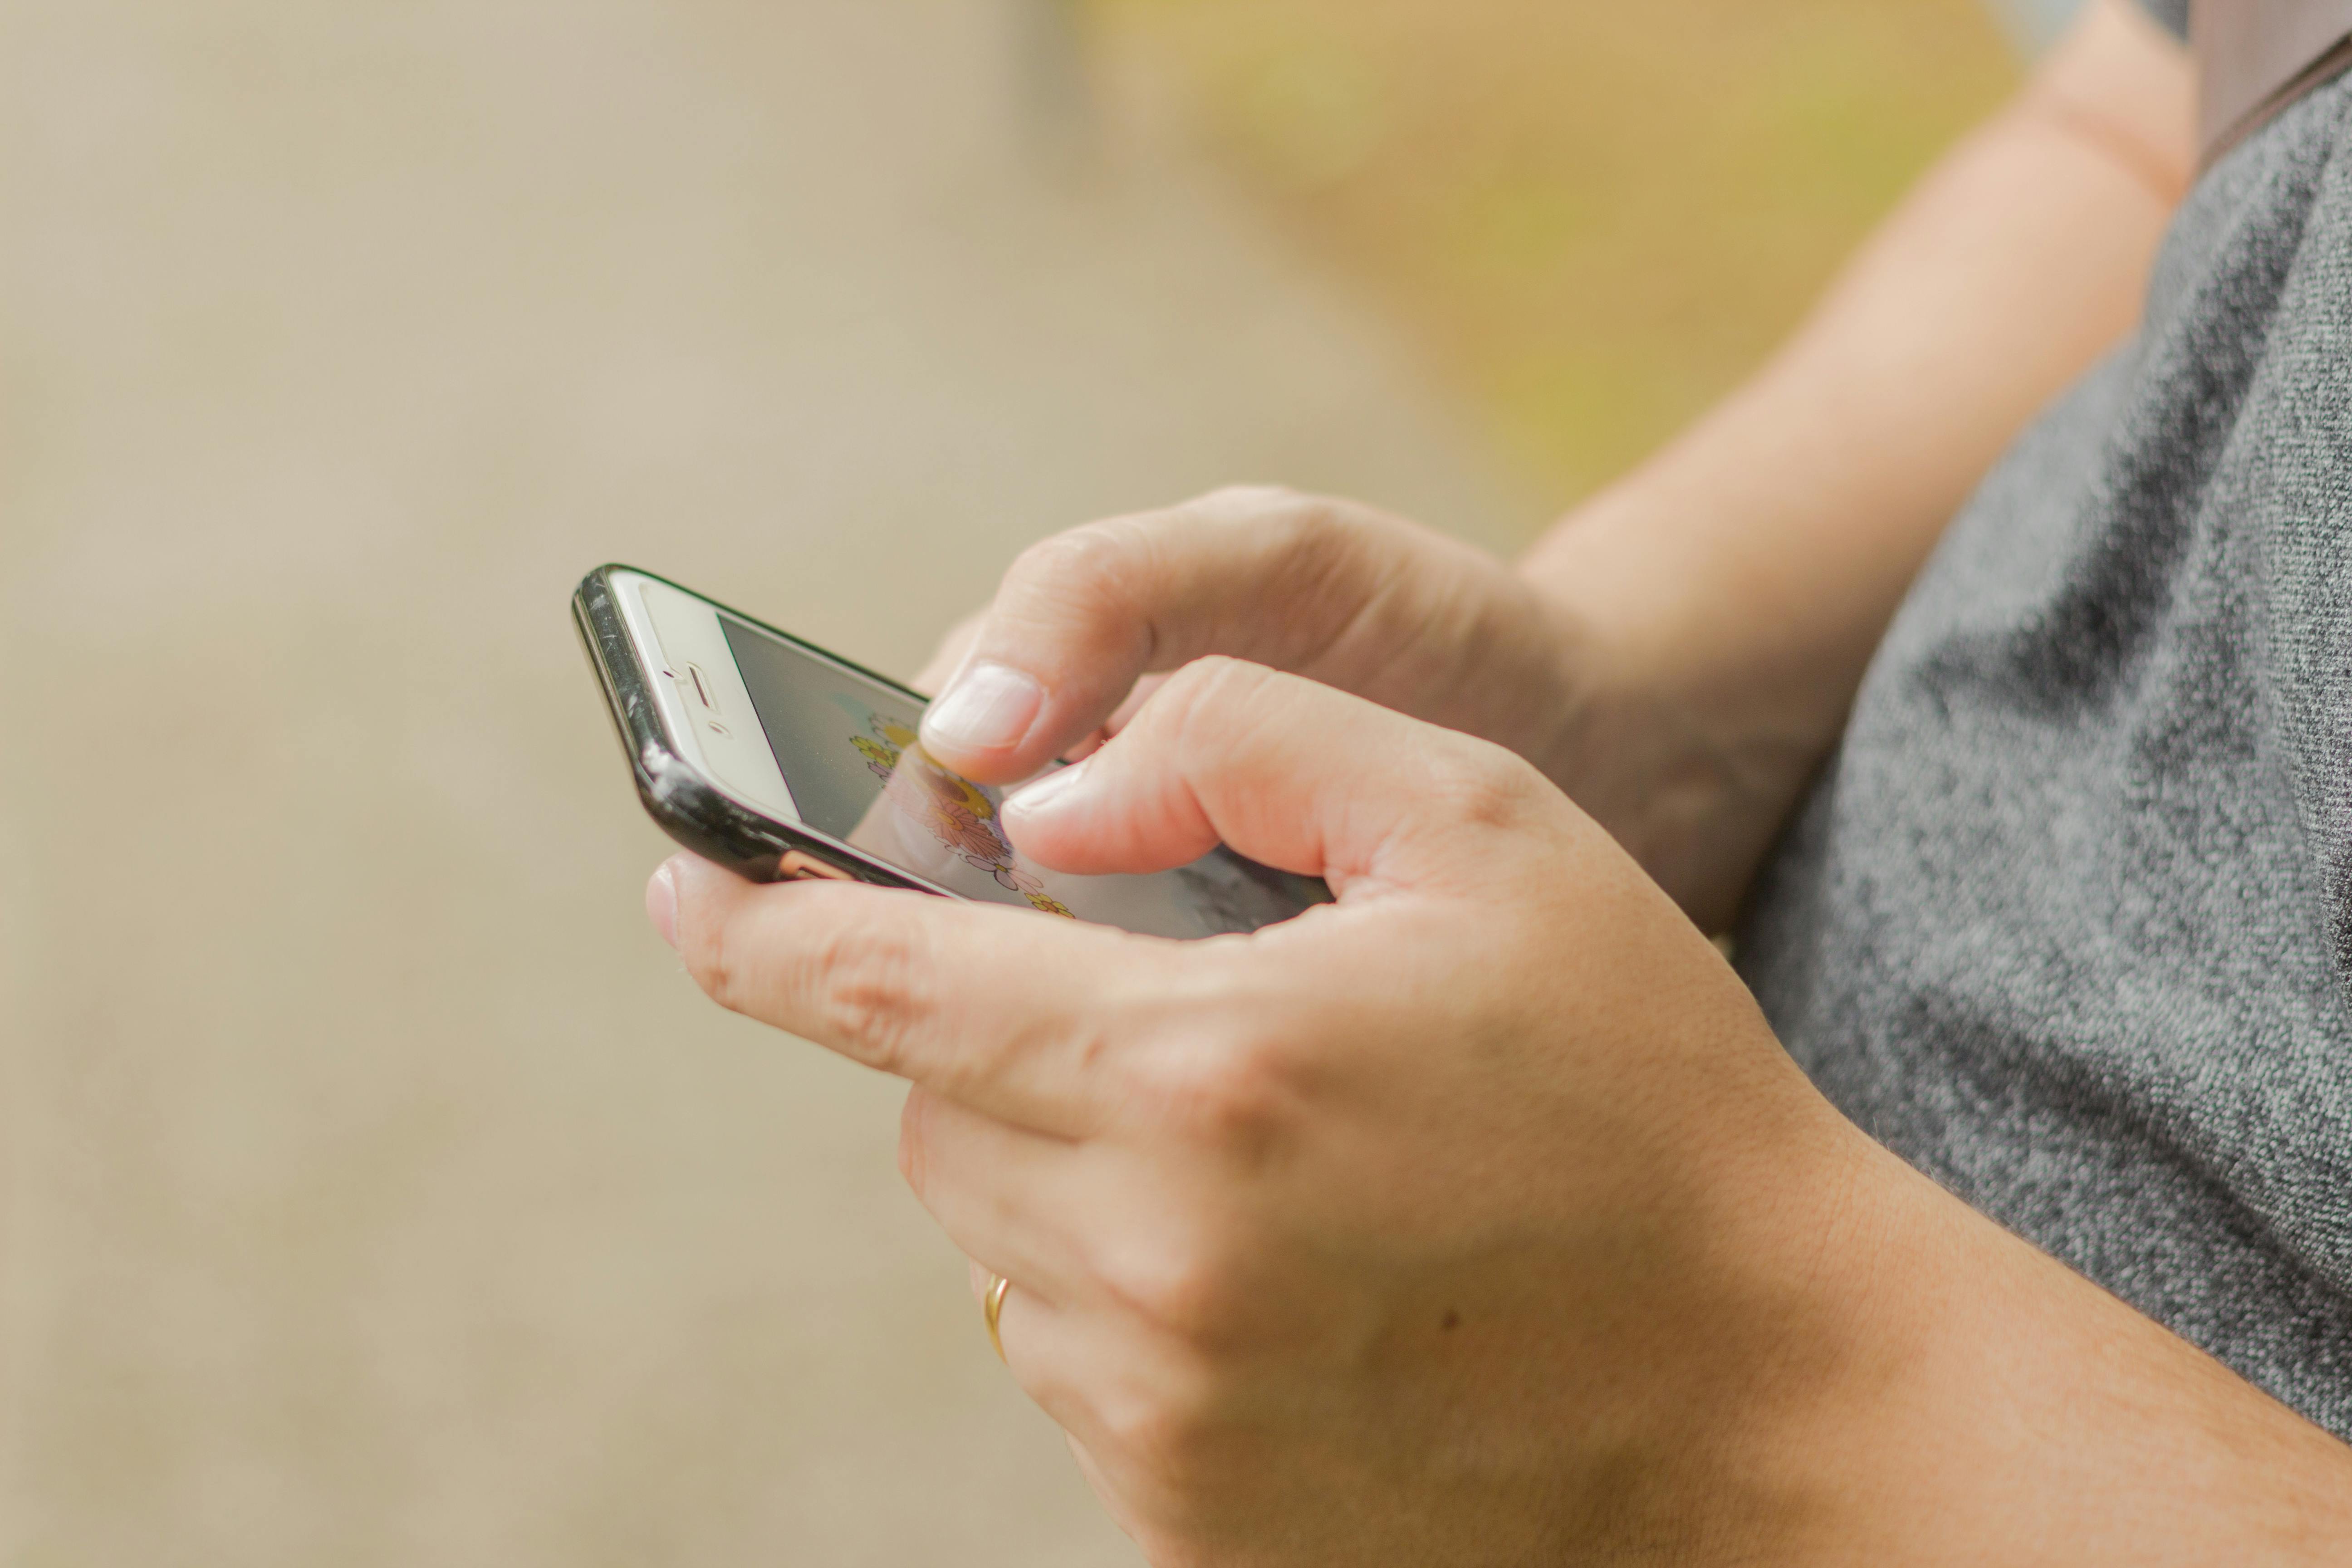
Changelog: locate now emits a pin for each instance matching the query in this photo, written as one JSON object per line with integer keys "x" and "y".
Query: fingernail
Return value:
{"x": 1048, "y": 795}
{"x": 661, "y": 903}
{"x": 988, "y": 708}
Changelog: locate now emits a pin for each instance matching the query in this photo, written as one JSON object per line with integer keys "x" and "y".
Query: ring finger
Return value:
{"x": 1080, "y": 1366}
{"x": 1012, "y": 1200}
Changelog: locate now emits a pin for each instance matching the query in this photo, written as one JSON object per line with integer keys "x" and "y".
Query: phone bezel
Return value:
{"x": 677, "y": 636}
{"x": 691, "y": 803}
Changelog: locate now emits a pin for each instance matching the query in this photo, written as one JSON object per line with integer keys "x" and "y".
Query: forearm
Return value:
{"x": 1749, "y": 569}
{"x": 1987, "y": 1404}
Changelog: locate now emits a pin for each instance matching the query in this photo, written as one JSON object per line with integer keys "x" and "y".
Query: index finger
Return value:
{"x": 1003, "y": 1010}
{"x": 1080, "y": 615}
{"x": 1296, "y": 775}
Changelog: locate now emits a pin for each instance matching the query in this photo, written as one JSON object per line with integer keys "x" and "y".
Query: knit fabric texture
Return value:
{"x": 2067, "y": 920}
{"x": 2173, "y": 13}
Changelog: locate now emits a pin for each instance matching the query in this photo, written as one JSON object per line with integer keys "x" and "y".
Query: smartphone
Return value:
{"x": 778, "y": 760}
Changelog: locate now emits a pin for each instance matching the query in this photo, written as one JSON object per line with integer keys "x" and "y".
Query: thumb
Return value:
{"x": 1291, "y": 773}
{"x": 1260, "y": 573}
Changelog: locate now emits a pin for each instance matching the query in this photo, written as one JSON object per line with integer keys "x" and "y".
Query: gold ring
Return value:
{"x": 994, "y": 1310}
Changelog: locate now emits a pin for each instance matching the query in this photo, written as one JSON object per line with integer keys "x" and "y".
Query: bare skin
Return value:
{"x": 1479, "y": 1218}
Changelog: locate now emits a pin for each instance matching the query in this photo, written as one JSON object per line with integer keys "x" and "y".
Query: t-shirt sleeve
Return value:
{"x": 2173, "y": 13}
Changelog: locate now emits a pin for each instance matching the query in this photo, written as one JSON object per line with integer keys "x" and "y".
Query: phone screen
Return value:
{"x": 845, "y": 744}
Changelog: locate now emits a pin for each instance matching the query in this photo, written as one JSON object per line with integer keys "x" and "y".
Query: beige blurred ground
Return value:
{"x": 377, "y": 1190}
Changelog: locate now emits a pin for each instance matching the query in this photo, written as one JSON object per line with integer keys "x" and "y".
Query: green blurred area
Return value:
{"x": 1593, "y": 219}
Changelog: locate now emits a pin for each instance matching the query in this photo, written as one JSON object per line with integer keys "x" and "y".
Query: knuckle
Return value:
{"x": 1238, "y": 1103}
{"x": 870, "y": 981}
{"x": 1300, "y": 528}
{"x": 913, "y": 1153}
{"x": 1250, "y": 502}
{"x": 1241, "y": 1091}
{"x": 1193, "y": 1282}
{"x": 1233, "y": 1114}
{"x": 1482, "y": 786}
{"x": 1208, "y": 687}
{"x": 1297, "y": 536}
{"x": 713, "y": 955}
{"x": 1093, "y": 1041}
{"x": 1085, "y": 1043}
{"x": 1171, "y": 1432}
{"x": 1188, "y": 1286}
{"x": 1101, "y": 563}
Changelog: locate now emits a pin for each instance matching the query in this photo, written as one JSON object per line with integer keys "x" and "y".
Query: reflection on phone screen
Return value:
{"x": 845, "y": 744}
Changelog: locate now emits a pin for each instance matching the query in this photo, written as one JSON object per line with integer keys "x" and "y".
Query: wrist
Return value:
{"x": 1743, "y": 1329}
{"x": 1811, "y": 1348}
{"x": 1831, "y": 1280}
{"x": 1691, "y": 755}
{"x": 1935, "y": 1390}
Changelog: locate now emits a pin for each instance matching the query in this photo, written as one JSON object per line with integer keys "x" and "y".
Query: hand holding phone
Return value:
{"x": 778, "y": 760}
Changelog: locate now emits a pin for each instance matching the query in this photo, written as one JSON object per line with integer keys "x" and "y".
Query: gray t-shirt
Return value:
{"x": 2067, "y": 920}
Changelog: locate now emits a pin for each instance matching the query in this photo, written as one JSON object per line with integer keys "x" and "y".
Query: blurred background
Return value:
{"x": 377, "y": 1191}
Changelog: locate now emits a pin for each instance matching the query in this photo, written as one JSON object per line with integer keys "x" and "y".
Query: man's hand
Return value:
{"x": 1476, "y": 1219}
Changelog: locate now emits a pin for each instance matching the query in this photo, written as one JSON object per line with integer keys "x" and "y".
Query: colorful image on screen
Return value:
{"x": 846, "y": 746}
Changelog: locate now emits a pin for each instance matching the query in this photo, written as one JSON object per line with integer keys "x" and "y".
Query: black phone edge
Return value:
{"x": 751, "y": 844}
